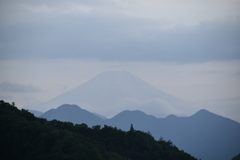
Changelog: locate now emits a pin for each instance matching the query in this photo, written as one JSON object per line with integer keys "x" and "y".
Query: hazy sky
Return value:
{"x": 188, "y": 48}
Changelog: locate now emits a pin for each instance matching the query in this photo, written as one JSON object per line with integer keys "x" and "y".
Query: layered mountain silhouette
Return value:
{"x": 72, "y": 113}
{"x": 204, "y": 135}
{"x": 114, "y": 91}
{"x": 25, "y": 137}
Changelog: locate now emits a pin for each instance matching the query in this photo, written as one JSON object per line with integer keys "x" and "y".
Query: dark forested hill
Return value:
{"x": 236, "y": 157}
{"x": 23, "y": 136}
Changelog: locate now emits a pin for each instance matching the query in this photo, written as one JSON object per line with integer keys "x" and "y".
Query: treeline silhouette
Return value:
{"x": 23, "y": 136}
{"x": 236, "y": 157}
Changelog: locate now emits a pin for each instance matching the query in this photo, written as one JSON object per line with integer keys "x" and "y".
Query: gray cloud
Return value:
{"x": 235, "y": 99}
{"x": 5, "y": 97}
{"x": 113, "y": 36}
{"x": 11, "y": 87}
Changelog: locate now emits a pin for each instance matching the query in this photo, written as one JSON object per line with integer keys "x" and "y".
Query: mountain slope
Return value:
{"x": 204, "y": 134}
{"x": 141, "y": 120}
{"x": 72, "y": 113}
{"x": 112, "y": 92}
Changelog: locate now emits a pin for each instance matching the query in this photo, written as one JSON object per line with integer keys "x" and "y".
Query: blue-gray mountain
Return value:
{"x": 72, "y": 113}
{"x": 112, "y": 92}
{"x": 204, "y": 135}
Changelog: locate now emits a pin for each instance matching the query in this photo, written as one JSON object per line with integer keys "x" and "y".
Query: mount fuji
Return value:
{"x": 111, "y": 92}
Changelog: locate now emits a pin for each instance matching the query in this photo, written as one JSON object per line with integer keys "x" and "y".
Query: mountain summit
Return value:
{"x": 71, "y": 113}
{"x": 114, "y": 91}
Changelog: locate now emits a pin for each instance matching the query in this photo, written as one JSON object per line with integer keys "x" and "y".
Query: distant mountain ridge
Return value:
{"x": 204, "y": 135}
{"x": 72, "y": 113}
{"x": 114, "y": 91}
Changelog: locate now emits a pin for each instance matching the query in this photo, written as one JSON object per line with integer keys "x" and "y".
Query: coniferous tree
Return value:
{"x": 131, "y": 128}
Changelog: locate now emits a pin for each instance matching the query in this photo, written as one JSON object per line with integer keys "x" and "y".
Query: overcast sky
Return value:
{"x": 188, "y": 48}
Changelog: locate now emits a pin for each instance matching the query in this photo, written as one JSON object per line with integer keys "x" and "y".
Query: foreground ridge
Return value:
{"x": 24, "y": 136}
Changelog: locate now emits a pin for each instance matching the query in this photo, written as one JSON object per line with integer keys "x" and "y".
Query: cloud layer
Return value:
{"x": 142, "y": 30}
{"x": 13, "y": 87}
